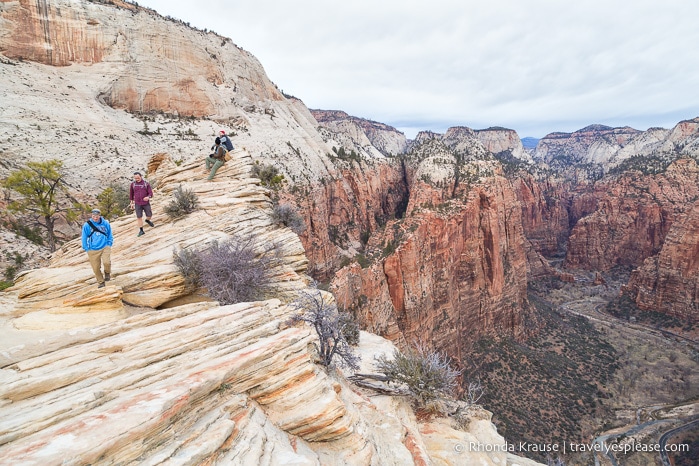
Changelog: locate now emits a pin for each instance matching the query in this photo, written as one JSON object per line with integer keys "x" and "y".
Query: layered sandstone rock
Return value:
{"x": 203, "y": 384}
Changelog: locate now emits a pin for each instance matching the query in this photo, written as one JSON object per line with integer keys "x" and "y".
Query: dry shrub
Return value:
{"x": 231, "y": 271}
{"x": 184, "y": 202}
{"x": 331, "y": 327}
{"x": 426, "y": 373}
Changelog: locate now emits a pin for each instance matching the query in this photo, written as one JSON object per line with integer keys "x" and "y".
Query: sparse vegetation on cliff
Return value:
{"x": 269, "y": 175}
{"x": 286, "y": 215}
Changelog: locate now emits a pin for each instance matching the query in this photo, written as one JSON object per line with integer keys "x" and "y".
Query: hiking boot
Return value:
{"x": 107, "y": 277}
{"x": 150, "y": 223}
{"x": 101, "y": 285}
{"x": 141, "y": 233}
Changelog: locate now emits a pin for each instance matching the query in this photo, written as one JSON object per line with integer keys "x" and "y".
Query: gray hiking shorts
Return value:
{"x": 143, "y": 208}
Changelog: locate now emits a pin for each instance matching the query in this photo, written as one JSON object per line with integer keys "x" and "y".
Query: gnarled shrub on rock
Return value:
{"x": 231, "y": 271}
{"x": 332, "y": 327}
{"x": 426, "y": 373}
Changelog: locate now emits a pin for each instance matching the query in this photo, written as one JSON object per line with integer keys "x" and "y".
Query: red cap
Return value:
{"x": 222, "y": 132}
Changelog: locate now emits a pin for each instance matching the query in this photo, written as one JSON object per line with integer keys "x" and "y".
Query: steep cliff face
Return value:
{"x": 454, "y": 268}
{"x": 669, "y": 281}
{"x": 633, "y": 216}
{"x": 342, "y": 210}
{"x": 546, "y": 216}
{"x": 385, "y": 138}
{"x": 502, "y": 140}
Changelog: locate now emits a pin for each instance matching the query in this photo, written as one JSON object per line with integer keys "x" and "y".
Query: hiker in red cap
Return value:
{"x": 225, "y": 140}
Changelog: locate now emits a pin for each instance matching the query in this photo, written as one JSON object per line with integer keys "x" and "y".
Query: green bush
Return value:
{"x": 184, "y": 202}
{"x": 269, "y": 175}
{"x": 113, "y": 201}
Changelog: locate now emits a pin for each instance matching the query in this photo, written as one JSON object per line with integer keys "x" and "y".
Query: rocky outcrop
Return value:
{"x": 503, "y": 141}
{"x": 669, "y": 281}
{"x": 153, "y": 56}
{"x": 204, "y": 384}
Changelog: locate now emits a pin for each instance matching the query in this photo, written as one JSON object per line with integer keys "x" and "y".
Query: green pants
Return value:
{"x": 99, "y": 257}
{"x": 216, "y": 163}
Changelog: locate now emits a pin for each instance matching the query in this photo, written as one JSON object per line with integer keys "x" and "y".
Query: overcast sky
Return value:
{"x": 536, "y": 66}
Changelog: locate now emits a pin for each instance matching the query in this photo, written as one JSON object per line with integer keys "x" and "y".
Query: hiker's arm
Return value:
{"x": 84, "y": 236}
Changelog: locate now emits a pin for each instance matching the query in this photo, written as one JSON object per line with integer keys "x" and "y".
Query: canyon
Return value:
{"x": 432, "y": 240}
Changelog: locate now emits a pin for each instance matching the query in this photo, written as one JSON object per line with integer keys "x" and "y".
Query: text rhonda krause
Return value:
{"x": 525, "y": 447}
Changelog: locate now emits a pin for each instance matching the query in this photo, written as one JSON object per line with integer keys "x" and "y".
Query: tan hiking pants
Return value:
{"x": 99, "y": 257}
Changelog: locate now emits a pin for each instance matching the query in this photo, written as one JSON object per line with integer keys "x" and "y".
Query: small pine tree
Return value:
{"x": 43, "y": 196}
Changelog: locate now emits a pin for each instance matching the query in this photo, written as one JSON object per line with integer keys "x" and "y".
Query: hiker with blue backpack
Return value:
{"x": 97, "y": 240}
{"x": 225, "y": 140}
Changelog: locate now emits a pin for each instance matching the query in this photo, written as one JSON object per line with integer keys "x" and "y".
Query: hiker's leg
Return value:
{"x": 148, "y": 211}
{"x": 95, "y": 262}
{"x": 139, "y": 215}
{"x": 107, "y": 259}
{"x": 217, "y": 165}
{"x": 209, "y": 161}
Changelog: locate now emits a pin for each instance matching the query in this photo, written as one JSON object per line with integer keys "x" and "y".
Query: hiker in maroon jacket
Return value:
{"x": 140, "y": 194}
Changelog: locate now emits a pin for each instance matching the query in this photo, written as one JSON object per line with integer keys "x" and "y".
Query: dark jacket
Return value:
{"x": 138, "y": 191}
{"x": 226, "y": 141}
{"x": 219, "y": 153}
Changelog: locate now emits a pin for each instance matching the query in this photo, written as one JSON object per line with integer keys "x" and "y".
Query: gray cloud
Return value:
{"x": 536, "y": 66}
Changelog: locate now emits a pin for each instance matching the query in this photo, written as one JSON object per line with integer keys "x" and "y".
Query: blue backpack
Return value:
{"x": 226, "y": 141}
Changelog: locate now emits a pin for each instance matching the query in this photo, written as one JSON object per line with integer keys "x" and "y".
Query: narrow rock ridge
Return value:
{"x": 64, "y": 294}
